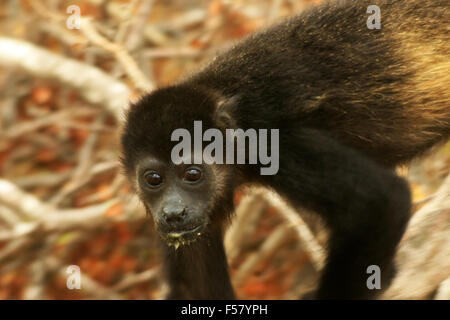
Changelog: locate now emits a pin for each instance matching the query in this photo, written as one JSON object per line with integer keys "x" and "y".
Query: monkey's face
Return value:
{"x": 181, "y": 198}
{"x": 186, "y": 200}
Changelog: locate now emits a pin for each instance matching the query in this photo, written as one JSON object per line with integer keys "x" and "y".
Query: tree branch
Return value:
{"x": 93, "y": 84}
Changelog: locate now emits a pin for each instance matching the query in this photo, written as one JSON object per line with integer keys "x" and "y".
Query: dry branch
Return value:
{"x": 423, "y": 257}
{"x": 276, "y": 239}
{"x": 135, "y": 279}
{"x": 249, "y": 211}
{"x": 93, "y": 84}
{"x": 129, "y": 65}
{"x": 315, "y": 251}
{"x": 42, "y": 217}
{"x": 443, "y": 292}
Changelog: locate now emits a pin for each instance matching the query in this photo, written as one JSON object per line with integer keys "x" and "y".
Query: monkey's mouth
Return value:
{"x": 184, "y": 237}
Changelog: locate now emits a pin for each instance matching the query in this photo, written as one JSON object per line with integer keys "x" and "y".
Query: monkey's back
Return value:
{"x": 385, "y": 92}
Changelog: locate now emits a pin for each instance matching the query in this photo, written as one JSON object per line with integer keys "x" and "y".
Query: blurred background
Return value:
{"x": 64, "y": 200}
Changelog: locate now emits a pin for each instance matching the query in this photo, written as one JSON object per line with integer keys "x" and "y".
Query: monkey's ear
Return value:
{"x": 224, "y": 114}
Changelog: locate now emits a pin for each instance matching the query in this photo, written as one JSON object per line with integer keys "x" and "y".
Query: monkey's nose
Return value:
{"x": 174, "y": 214}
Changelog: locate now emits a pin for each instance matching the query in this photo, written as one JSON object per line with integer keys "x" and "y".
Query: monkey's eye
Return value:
{"x": 192, "y": 175}
{"x": 152, "y": 179}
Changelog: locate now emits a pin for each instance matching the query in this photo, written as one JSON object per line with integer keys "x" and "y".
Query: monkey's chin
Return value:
{"x": 183, "y": 238}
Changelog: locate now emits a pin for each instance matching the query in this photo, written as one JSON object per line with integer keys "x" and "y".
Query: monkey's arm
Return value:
{"x": 199, "y": 270}
{"x": 365, "y": 206}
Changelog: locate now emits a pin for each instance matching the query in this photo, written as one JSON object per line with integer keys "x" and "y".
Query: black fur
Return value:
{"x": 350, "y": 103}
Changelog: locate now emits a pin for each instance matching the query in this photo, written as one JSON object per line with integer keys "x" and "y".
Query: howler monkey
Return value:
{"x": 350, "y": 104}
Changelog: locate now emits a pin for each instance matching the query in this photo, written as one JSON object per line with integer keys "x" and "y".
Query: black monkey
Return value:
{"x": 350, "y": 104}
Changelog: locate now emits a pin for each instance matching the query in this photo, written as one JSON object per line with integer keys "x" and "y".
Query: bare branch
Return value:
{"x": 94, "y": 85}
{"x": 121, "y": 54}
{"x": 248, "y": 213}
{"x": 132, "y": 280}
{"x": 312, "y": 247}
{"x": 423, "y": 257}
{"x": 443, "y": 292}
{"x": 275, "y": 240}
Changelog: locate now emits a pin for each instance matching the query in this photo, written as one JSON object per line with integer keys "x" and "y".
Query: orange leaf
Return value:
{"x": 42, "y": 94}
